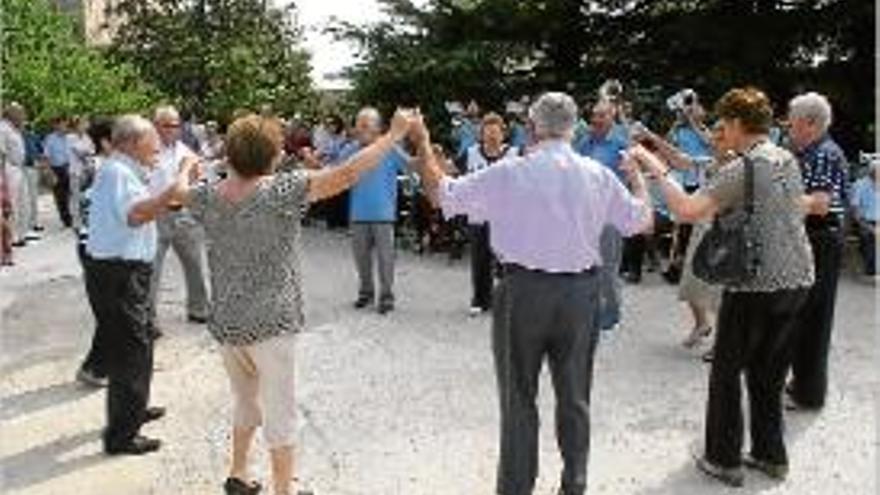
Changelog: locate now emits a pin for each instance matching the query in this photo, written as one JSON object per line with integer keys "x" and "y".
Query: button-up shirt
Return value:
{"x": 57, "y": 150}
{"x": 12, "y": 144}
{"x": 824, "y": 168}
{"x": 120, "y": 183}
{"x": 691, "y": 143}
{"x": 547, "y": 209}
{"x": 168, "y": 166}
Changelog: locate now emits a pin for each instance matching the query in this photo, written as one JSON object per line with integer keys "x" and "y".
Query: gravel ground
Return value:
{"x": 403, "y": 404}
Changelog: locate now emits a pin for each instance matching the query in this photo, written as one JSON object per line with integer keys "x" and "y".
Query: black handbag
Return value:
{"x": 729, "y": 253}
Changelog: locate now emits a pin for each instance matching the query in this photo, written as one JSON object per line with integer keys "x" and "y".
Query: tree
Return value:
{"x": 495, "y": 50}
{"x": 47, "y": 67}
{"x": 215, "y": 56}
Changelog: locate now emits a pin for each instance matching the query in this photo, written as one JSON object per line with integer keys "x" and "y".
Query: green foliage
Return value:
{"x": 496, "y": 50}
{"x": 48, "y": 69}
{"x": 215, "y": 56}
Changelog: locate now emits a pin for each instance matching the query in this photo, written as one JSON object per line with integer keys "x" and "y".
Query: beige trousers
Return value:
{"x": 262, "y": 381}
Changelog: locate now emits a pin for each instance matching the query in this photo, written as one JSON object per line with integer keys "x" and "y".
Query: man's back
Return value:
{"x": 548, "y": 208}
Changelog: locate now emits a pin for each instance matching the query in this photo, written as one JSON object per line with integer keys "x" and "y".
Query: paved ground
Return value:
{"x": 402, "y": 404}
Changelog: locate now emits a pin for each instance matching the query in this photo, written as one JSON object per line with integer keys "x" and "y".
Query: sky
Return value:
{"x": 330, "y": 56}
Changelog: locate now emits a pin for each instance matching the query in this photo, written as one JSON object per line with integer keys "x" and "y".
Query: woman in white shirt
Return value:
{"x": 490, "y": 149}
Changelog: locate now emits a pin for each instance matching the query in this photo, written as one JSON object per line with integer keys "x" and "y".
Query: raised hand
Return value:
{"x": 418, "y": 131}
{"x": 400, "y": 123}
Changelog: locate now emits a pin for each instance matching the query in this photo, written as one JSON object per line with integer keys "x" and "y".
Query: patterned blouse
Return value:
{"x": 824, "y": 168}
{"x": 786, "y": 256}
{"x": 254, "y": 259}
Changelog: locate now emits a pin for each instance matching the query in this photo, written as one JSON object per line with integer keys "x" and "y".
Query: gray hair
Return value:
{"x": 165, "y": 112}
{"x": 129, "y": 129}
{"x": 813, "y": 107}
{"x": 554, "y": 115}
{"x": 13, "y": 110}
{"x": 371, "y": 114}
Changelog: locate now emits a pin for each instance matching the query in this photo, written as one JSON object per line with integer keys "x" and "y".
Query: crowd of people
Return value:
{"x": 558, "y": 205}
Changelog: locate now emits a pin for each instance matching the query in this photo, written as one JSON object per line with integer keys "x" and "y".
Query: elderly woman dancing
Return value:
{"x": 252, "y": 222}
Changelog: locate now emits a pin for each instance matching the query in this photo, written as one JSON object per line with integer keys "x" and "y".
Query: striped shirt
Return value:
{"x": 824, "y": 168}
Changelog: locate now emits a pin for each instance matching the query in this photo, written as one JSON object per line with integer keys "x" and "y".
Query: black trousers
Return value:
{"x": 482, "y": 263}
{"x": 754, "y": 337}
{"x": 868, "y": 247}
{"x": 809, "y": 365}
{"x": 96, "y": 360}
{"x": 61, "y": 192}
{"x": 122, "y": 310}
{"x": 538, "y": 316}
{"x": 633, "y": 254}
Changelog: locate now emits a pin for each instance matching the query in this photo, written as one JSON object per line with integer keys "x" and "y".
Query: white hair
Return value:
{"x": 165, "y": 113}
{"x": 371, "y": 114}
{"x": 813, "y": 107}
{"x": 554, "y": 115}
{"x": 129, "y": 129}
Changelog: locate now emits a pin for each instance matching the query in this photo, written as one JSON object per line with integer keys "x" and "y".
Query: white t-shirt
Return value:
{"x": 11, "y": 144}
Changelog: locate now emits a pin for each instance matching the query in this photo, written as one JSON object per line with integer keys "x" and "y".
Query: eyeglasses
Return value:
{"x": 170, "y": 125}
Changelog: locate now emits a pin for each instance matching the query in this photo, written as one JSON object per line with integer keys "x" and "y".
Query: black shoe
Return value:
{"x": 386, "y": 307}
{"x": 672, "y": 275}
{"x": 153, "y": 413}
{"x": 39, "y": 228}
{"x": 139, "y": 445}
{"x": 770, "y": 469}
{"x": 200, "y": 320}
{"x": 18, "y": 244}
{"x": 235, "y": 486}
{"x": 632, "y": 278}
{"x": 729, "y": 476}
{"x": 362, "y": 302}
{"x": 156, "y": 333}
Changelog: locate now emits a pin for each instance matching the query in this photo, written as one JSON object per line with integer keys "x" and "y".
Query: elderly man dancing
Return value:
{"x": 122, "y": 246}
{"x": 546, "y": 212}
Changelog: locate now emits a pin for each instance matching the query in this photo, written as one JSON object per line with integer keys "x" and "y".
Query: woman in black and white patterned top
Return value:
{"x": 252, "y": 224}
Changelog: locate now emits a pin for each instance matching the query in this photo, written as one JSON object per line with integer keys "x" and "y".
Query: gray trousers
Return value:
{"x": 32, "y": 176}
{"x": 22, "y": 206}
{"x": 179, "y": 231}
{"x": 611, "y": 249}
{"x": 538, "y": 315}
{"x": 374, "y": 240}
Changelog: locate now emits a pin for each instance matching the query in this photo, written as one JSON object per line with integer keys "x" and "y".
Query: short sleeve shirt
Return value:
{"x": 119, "y": 184}
{"x": 254, "y": 258}
{"x": 824, "y": 168}
{"x": 786, "y": 256}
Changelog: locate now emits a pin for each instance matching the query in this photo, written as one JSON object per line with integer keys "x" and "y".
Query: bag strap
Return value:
{"x": 749, "y": 185}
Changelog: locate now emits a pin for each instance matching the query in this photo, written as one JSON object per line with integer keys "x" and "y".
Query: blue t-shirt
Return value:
{"x": 605, "y": 150}
{"x": 691, "y": 143}
{"x": 464, "y": 135}
{"x": 519, "y": 136}
{"x": 374, "y": 196}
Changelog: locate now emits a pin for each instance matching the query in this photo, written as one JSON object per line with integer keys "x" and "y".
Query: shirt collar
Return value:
{"x": 814, "y": 146}
{"x": 132, "y": 165}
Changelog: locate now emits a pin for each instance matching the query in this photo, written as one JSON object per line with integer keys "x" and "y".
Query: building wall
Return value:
{"x": 94, "y": 17}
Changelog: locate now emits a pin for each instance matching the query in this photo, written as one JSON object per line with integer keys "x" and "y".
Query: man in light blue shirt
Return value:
{"x": 57, "y": 151}
{"x": 373, "y": 213}
{"x": 864, "y": 205}
{"x": 121, "y": 246}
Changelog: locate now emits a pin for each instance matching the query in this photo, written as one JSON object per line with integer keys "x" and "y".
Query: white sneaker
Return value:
{"x": 475, "y": 311}
{"x": 32, "y": 236}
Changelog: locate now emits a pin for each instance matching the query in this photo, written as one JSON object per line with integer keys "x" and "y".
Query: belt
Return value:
{"x": 122, "y": 262}
{"x": 511, "y": 268}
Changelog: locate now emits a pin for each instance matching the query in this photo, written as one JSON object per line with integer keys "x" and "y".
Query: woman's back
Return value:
{"x": 253, "y": 258}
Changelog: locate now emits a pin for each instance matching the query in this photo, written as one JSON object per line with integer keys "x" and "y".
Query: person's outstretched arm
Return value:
{"x": 334, "y": 180}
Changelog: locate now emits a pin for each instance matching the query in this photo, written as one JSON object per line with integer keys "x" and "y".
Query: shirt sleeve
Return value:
{"x": 123, "y": 192}
{"x": 727, "y": 186}
{"x": 627, "y": 213}
{"x": 289, "y": 190}
{"x": 469, "y": 194}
